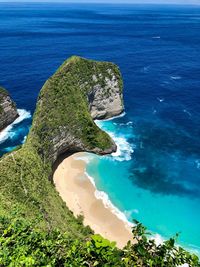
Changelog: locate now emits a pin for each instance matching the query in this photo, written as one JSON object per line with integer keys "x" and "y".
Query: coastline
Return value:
{"x": 79, "y": 193}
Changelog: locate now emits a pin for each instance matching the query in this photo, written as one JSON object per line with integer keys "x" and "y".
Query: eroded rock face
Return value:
{"x": 106, "y": 101}
{"x": 73, "y": 144}
{"x": 8, "y": 110}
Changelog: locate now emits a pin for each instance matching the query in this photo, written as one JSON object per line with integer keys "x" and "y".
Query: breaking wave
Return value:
{"x": 124, "y": 148}
{"x": 8, "y": 132}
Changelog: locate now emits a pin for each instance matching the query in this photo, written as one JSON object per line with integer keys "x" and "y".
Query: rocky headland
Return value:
{"x": 8, "y": 110}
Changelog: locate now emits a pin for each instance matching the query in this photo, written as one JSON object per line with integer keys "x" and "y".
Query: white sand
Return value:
{"x": 78, "y": 192}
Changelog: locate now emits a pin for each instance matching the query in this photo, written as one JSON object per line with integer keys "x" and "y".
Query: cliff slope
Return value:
{"x": 62, "y": 123}
{"x": 8, "y": 110}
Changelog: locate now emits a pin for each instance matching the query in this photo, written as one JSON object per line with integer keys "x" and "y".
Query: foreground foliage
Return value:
{"x": 23, "y": 244}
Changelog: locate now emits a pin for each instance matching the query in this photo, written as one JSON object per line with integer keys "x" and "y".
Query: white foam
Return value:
{"x": 124, "y": 148}
{"x": 104, "y": 196}
{"x": 176, "y": 77}
{"x": 156, "y": 37}
{"x": 105, "y": 199}
{"x": 84, "y": 157}
{"x": 158, "y": 239}
{"x": 129, "y": 213}
{"x": 123, "y": 216}
{"x": 90, "y": 178}
{"x": 126, "y": 215}
{"x": 145, "y": 69}
{"x": 197, "y": 163}
{"x": 7, "y": 132}
{"x": 187, "y": 112}
{"x": 116, "y": 117}
{"x": 160, "y": 99}
{"x": 108, "y": 204}
{"x": 24, "y": 140}
{"x": 130, "y": 124}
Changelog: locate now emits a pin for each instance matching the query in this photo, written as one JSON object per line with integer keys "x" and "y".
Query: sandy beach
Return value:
{"x": 78, "y": 192}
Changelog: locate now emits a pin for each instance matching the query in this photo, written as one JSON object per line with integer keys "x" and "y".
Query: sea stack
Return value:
{"x": 8, "y": 110}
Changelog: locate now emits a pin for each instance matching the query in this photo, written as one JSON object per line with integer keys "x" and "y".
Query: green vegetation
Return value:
{"x": 3, "y": 91}
{"x": 62, "y": 113}
{"x": 63, "y": 107}
{"x": 23, "y": 244}
{"x": 42, "y": 231}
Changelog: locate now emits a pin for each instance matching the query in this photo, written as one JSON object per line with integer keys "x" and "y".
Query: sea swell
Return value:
{"x": 8, "y": 132}
{"x": 124, "y": 148}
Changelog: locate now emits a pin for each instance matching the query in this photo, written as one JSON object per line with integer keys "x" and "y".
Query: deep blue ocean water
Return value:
{"x": 155, "y": 175}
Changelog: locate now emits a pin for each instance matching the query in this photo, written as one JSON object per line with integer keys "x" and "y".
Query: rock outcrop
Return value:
{"x": 106, "y": 101}
{"x": 8, "y": 110}
{"x": 81, "y": 90}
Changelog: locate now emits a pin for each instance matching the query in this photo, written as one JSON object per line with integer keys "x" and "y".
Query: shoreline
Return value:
{"x": 78, "y": 191}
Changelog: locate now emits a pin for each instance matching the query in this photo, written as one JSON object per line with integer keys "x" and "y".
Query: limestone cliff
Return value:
{"x": 107, "y": 101}
{"x": 78, "y": 92}
{"x": 8, "y": 111}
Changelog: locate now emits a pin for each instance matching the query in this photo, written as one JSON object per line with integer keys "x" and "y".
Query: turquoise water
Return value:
{"x": 163, "y": 215}
{"x": 155, "y": 175}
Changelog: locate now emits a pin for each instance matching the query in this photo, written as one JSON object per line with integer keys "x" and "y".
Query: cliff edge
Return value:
{"x": 8, "y": 110}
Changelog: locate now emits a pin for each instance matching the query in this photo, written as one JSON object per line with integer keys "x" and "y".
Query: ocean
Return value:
{"x": 154, "y": 176}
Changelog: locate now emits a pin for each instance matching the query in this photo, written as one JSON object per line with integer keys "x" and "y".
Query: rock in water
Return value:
{"x": 8, "y": 110}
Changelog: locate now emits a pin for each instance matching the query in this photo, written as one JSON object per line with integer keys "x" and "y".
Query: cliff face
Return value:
{"x": 81, "y": 90}
{"x": 8, "y": 110}
{"x": 106, "y": 101}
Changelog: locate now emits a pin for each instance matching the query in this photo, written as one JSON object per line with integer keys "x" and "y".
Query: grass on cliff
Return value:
{"x": 63, "y": 105}
{"x": 3, "y": 91}
{"x": 25, "y": 188}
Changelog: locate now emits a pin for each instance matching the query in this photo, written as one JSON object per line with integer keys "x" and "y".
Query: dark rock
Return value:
{"x": 8, "y": 110}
